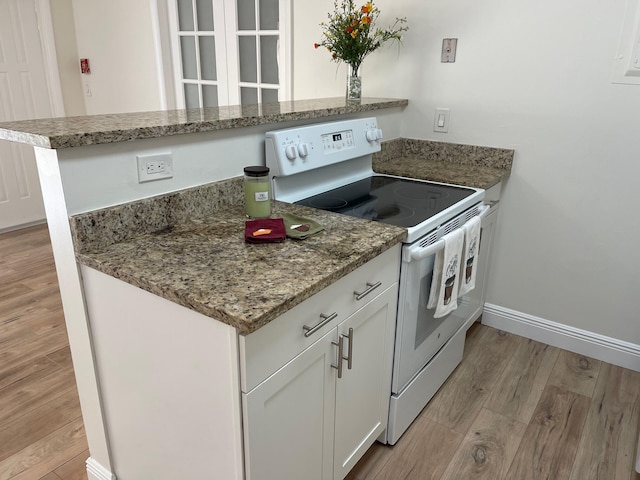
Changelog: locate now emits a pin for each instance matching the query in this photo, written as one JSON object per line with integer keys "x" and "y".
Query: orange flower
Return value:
{"x": 366, "y": 8}
{"x": 366, "y": 20}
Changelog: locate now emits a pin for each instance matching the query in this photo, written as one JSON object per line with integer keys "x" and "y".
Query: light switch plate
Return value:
{"x": 441, "y": 120}
{"x": 449, "y": 46}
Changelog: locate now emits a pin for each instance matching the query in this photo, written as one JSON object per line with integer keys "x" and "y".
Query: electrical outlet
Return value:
{"x": 154, "y": 167}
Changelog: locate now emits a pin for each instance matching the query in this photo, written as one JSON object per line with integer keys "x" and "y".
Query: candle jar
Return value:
{"x": 257, "y": 192}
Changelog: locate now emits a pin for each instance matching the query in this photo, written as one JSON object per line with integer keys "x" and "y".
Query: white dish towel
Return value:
{"x": 446, "y": 275}
{"x": 470, "y": 254}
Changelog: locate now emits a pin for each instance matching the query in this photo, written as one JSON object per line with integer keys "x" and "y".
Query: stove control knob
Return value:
{"x": 303, "y": 150}
{"x": 374, "y": 134}
{"x": 291, "y": 152}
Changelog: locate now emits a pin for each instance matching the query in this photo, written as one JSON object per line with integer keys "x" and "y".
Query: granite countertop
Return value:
{"x": 458, "y": 164}
{"x": 437, "y": 171}
{"x": 205, "y": 264}
{"x": 70, "y": 132}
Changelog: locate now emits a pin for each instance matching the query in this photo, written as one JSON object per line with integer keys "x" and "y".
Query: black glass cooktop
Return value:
{"x": 395, "y": 201}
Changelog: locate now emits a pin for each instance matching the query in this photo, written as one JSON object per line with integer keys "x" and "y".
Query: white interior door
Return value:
{"x": 24, "y": 94}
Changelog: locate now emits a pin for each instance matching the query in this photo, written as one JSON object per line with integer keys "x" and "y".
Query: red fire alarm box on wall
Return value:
{"x": 84, "y": 65}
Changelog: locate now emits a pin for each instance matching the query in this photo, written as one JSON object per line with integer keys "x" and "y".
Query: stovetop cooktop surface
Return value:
{"x": 395, "y": 201}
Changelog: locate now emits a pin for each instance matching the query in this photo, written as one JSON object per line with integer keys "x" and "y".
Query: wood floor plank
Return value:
{"x": 371, "y": 463}
{"x": 462, "y": 396}
{"x": 423, "y": 453}
{"x": 488, "y": 449}
{"x": 62, "y": 357}
{"x": 575, "y": 372}
{"x": 41, "y": 422}
{"x": 23, "y": 370}
{"x": 33, "y": 392}
{"x": 67, "y": 403}
{"x": 49, "y": 321}
{"x": 549, "y": 445}
{"x": 50, "y": 476}
{"x": 607, "y": 447}
{"x": 10, "y": 291}
{"x": 521, "y": 384}
{"x": 74, "y": 469}
{"x": 47, "y": 454}
{"x": 31, "y": 347}
{"x": 45, "y": 298}
{"x": 474, "y": 334}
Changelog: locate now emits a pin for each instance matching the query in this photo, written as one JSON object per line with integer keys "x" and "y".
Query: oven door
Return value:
{"x": 419, "y": 336}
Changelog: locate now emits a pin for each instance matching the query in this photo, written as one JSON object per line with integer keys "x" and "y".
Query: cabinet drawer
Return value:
{"x": 269, "y": 348}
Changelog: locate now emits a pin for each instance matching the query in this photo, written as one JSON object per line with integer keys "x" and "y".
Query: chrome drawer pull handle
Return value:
{"x": 308, "y": 331}
{"x": 349, "y": 356}
{"x": 370, "y": 288}
{"x": 340, "y": 346}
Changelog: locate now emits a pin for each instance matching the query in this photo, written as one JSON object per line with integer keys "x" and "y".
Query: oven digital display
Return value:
{"x": 338, "y": 141}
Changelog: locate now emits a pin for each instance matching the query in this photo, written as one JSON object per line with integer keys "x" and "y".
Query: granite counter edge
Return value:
{"x": 105, "y": 129}
{"x": 219, "y": 314}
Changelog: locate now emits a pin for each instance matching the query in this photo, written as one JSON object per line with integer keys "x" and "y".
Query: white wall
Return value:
{"x": 198, "y": 159}
{"x": 68, "y": 60}
{"x": 117, "y": 38}
{"x": 536, "y": 77}
{"x": 530, "y": 76}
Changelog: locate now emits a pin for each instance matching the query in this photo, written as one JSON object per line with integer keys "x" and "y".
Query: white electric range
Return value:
{"x": 329, "y": 166}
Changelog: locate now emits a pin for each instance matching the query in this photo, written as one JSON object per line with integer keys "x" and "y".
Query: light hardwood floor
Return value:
{"x": 514, "y": 409}
{"x": 41, "y": 431}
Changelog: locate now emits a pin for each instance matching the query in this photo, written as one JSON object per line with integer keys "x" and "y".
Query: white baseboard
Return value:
{"x": 594, "y": 345}
{"x": 22, "y": 225}
{"x": 95, "y": 471}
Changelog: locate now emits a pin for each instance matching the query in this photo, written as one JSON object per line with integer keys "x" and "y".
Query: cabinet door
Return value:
{"x": 288, "y": 418}
{"x": 362, "y": 394}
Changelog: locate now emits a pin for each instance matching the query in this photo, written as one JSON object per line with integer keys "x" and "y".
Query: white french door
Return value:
{"x": 199, "y": 46}
{"x": 24, "y": 94}
{"x": 230, "y": 52}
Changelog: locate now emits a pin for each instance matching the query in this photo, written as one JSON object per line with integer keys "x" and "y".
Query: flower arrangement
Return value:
{"x": 350, "y": 34}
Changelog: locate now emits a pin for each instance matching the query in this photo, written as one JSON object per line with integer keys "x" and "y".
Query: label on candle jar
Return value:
{"x": 262, "y": 196}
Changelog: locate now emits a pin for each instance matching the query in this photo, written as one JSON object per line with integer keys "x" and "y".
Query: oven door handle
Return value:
{"x": 420, "y": 253}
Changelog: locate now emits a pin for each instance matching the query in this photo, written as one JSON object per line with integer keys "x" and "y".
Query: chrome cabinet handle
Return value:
{"x": 349, "y": 356}
{"x": 340, "y": 346}
{"x": 370, "y": 288}
{"x": 341, "y": 356}
{"x": 308, "y": 331}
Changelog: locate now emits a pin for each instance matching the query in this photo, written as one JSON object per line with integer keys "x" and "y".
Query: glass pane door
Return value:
{"x": 230, "y": 51}
{"x": 202, "y": 48}
{"x": 259, "y": 35}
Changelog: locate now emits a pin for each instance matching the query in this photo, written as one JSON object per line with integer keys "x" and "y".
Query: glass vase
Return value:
{"x": 354, "y": 86}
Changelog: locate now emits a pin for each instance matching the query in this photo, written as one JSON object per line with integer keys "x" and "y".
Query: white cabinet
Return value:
{"x": 289, "y": 418}
{"x": 362, "y": 394}
{"x": 303, "y": 421}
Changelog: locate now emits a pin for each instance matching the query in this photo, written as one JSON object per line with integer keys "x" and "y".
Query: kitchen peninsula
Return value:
{"x": 136, "y": 232}
{"x": 89, "y": 163}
